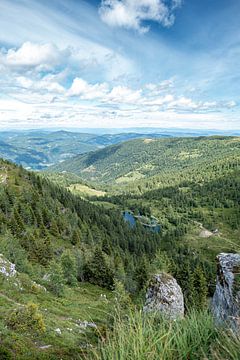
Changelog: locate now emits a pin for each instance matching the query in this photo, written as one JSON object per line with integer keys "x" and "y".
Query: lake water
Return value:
{"x": 128, "y": 217}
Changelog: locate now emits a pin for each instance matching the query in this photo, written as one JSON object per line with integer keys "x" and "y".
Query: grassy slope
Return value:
{"x": 81, "y": 303}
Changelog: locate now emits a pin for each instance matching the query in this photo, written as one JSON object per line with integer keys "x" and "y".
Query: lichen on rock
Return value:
{"x": 165, "y": 296}
{"x": 226, "y": 299}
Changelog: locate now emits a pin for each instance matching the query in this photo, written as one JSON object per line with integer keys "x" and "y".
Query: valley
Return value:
{"x": 80, "y": 239}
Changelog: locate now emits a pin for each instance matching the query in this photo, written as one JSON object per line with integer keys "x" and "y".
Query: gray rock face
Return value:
{"x": 226, "y": 299}
{"x": 164, "y": 295}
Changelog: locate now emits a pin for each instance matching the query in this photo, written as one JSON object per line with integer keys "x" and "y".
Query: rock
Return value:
{"x": 58, "y": 331}
{"x": 226, "y": 299}
{"x": 6, "y": 267}
{"x": 84, "y": 324}
{"x": 205, "y": 233}
{"x": 43, "y": 347}
{"x": 164, "y": 295}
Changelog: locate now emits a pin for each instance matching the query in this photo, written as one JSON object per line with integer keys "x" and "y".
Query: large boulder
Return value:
{"x": 226, "y": 299}
{"x": 165, "y": 296}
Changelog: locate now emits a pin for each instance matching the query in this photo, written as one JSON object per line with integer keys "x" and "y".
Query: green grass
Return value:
{"x": 84, "y": 190}
{"x": 140, "y": 337}
{"x": 82, "y": 303}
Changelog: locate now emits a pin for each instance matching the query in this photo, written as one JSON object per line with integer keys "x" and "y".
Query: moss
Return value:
{"x": 165, "y": 278}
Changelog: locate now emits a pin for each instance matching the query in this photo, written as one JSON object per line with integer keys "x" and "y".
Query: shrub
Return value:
{"x": 56, "y": 279}
{"x": 69, "y": 268}
{"x": 26, "y": 318}
{"x": 5, "y": 354}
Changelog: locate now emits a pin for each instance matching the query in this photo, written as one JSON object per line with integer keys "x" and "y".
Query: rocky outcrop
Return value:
{"x": 165, "y": 296}
{"x": 6, "y": 267}
{"x": 226, "y": 299}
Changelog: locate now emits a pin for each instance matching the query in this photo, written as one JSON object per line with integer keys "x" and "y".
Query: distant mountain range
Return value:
{"x": 39, "y": 149}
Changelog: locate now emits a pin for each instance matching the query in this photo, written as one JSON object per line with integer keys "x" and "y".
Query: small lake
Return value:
{"x": 128, "y": 217}
{"x": 131, "y": 219}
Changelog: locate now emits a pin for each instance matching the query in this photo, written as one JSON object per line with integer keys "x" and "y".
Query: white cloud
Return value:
{"x": 164, "y": 85}
{"x": 125, "y": 95}
{"x": 130, "y": 14}
{"x": 31, "y": 55}
{"x": 46, "y": 84}
{"x": 102, "y": 92}
{"x": 183, "y": 103}
{"x": 159, "y": 101}
{"x": 87, "y": 91}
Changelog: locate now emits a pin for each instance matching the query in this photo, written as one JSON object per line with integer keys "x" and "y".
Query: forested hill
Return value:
{"x": 142, "y": 158}
{"x": 42, "y": 219}
{"x": 63, "y": 248}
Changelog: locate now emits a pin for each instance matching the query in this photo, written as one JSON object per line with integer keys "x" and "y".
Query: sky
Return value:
{"x": 120, "y": 63}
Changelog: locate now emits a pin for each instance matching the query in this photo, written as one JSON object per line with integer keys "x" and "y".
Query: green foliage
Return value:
{"x": 76, "y": 237}
{"x": 141, "y": 274}
{"x": 26, "y": 318}
{"x": 200, "y": 287}
{"x": 97, "y": 271}
{"x": 122, "y": 297}
{"x": 5, "y": 354}
{"x": 69, "y": 269}
{"x": 56, "y": 279}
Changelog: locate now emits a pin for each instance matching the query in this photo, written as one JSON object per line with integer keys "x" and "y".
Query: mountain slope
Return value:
{"x": 38, "y": 149}
{"x": 142, "y": 158}
{"x": 67, "y": 253}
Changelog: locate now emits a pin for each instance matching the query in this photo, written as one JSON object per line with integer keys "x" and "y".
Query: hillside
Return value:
{"x": 59, "y": 246}
{"x": 139, "y": 159}
{"x": 190, "y": 185}
{"x": 38, "y": 149}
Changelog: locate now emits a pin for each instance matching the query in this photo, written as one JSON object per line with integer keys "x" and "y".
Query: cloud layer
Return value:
{"x": 60, "y": 65}
{"x": 35, "y": 81}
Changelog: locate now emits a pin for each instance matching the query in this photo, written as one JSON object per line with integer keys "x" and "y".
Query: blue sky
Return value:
{"x": 120, "y": 63}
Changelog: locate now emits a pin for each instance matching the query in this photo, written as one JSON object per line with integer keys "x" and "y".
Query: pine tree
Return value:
{"x": 54, "y": 228}
{"x": 97, "y": 270}
{"x": 75, "y": 240}
{"x": 200, "y": 283}
{"x": 141, "y": 274}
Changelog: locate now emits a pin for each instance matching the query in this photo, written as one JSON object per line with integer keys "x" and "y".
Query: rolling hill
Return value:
{"x": 139, "y": 159}
{"x": 38, "y": 149}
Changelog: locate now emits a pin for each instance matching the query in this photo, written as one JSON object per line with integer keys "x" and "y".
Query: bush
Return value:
{"x": 26, "y": 318}
{"x": 5, "y": 354}
{"x": 69, "y": 268}
{"x": 56, "y": 280}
